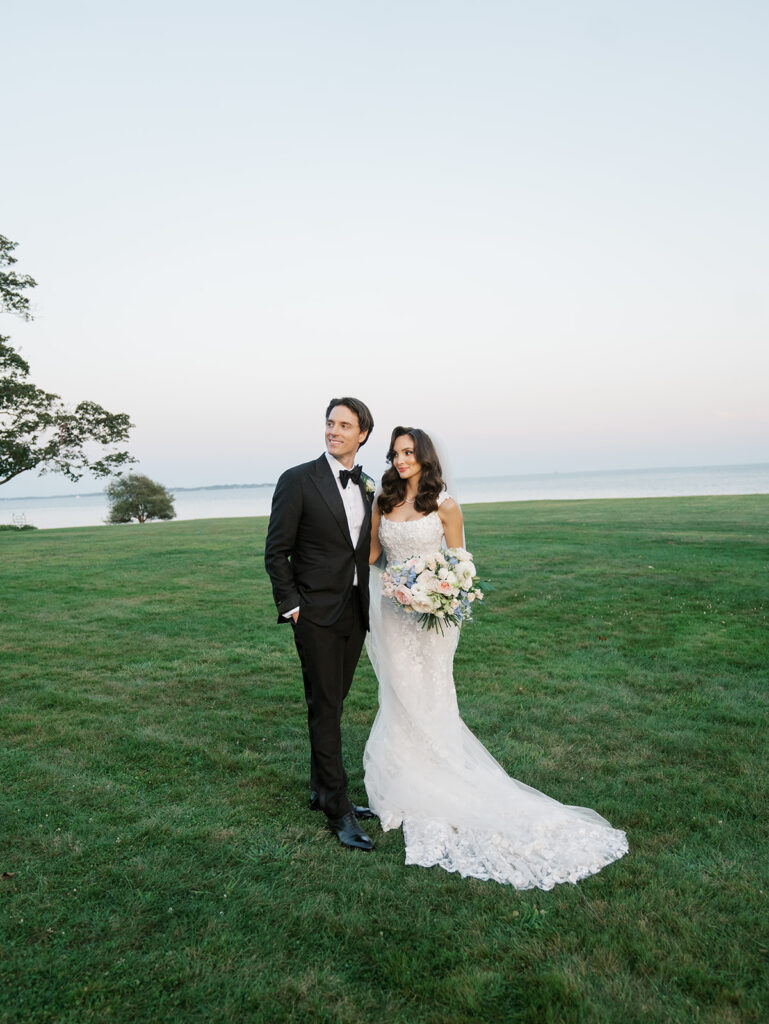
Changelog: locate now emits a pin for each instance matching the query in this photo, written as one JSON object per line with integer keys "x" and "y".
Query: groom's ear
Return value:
{"x": 362, "y": 438}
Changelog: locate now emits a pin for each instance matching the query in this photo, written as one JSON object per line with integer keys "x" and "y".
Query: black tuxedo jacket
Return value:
{"x": 309, "y": 555}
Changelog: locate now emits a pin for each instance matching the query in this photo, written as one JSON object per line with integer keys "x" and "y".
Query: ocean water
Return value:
{"x": 226, "y": 502}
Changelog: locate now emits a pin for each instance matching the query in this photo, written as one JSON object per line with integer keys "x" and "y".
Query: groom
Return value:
{"x": 316, "y": 555}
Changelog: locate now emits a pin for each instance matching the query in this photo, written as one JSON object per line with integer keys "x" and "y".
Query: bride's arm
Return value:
{"x": 376, "y": 547}
{"x": 451, "y": 517}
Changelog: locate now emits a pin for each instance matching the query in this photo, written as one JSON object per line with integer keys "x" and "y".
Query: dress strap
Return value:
{"x": 443, "y": 496}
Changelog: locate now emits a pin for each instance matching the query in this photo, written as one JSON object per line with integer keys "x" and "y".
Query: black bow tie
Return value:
{"x": 350, "y": 474}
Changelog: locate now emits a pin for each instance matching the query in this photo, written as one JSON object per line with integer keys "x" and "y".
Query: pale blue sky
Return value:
{"x": 538, "y": 229}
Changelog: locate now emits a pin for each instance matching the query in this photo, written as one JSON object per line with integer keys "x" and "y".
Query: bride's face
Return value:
{"x": 405, "y": 460}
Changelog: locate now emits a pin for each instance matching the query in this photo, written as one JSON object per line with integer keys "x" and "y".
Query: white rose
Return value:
{"x": 459, "y": 553}
{"x": 421, "y": 601}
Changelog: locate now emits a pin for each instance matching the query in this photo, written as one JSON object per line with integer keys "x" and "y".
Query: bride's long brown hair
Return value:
{"x": 430, "y": 481}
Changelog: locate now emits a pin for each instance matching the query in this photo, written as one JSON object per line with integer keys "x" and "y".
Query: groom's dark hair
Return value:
{"x": 361, "y": 410}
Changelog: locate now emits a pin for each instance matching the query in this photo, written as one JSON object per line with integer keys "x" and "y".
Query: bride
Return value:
{"x": 424, "y": 769}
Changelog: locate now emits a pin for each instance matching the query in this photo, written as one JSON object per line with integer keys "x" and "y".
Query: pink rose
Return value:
{"x": 403, "y": 595}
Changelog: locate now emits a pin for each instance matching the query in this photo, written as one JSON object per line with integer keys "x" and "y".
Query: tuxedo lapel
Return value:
{"x": 326, "y": 484}
{"x": 366, "y": 508}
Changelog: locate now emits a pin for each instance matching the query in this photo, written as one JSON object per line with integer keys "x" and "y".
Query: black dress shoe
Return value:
{"x": 349, "y": 833}
{"x": 362, "y": 813}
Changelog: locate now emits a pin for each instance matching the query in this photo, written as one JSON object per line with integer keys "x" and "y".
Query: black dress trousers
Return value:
{"x": 328, "y": 655}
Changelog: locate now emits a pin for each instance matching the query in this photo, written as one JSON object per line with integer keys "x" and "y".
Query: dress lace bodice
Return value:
{"x": 417, "y": 537}
{"x": 401, "y": 540}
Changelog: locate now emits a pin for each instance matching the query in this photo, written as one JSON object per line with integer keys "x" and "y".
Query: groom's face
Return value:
{"x": 343, "y": 433}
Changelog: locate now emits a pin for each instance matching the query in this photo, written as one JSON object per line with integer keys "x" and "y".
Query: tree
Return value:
{"x": 138, "y": 497}
{"x": 37, "y": 430}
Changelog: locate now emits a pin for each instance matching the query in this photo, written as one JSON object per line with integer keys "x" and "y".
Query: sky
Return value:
{"x": 538, "y": 230}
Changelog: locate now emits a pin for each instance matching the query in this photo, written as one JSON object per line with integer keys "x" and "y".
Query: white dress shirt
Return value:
{"x": 352, "y": 500}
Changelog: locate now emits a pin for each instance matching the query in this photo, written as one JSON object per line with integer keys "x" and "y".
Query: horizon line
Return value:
{"x": 499, "y": 476}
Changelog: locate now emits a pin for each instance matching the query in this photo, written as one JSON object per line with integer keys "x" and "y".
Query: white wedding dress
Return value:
{"x": 426, "y": 771}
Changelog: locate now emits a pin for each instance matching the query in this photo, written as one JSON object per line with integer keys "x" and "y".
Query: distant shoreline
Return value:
{"x": 561, "y": 475}
{"x": 98, "y": 494}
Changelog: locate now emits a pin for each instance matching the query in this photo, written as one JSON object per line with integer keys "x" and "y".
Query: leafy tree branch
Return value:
{"x": 37, "y": 430}
{"x": 12, "y": 285}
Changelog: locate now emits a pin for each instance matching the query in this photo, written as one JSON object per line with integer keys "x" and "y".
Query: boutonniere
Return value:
{"x": 370, "y": 486}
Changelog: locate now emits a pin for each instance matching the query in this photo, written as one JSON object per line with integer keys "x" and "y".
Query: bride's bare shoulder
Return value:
{"x": 450, "y": 513}
{"x": 451, "y": 520}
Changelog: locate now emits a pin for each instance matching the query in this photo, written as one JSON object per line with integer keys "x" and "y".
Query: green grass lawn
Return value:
{"x": 158, "y": 859}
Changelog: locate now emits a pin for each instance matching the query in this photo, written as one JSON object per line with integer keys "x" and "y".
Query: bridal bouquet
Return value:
{"x": 440, "y": 589}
